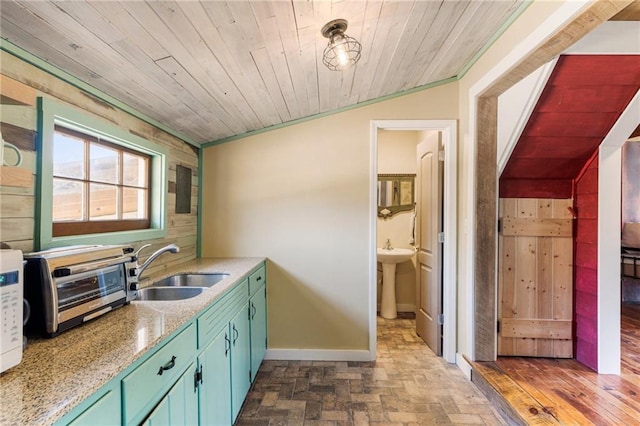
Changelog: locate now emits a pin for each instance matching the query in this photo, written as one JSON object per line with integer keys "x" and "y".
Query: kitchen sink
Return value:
{"x": 168, "y": 293}
{"x": 190, "y": 280}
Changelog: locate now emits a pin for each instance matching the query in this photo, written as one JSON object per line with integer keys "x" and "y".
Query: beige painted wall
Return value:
{"x": 300, "y": 196}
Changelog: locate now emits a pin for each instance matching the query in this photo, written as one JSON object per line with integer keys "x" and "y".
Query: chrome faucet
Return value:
{"x": 387, "y": 245}
{"x": 140, "y": 268}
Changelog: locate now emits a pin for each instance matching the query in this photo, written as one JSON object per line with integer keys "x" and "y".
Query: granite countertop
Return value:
{"x": 57, "y": 374}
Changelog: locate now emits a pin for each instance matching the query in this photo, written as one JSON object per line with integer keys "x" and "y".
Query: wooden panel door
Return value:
{"x": 535, "y": 278}
{"x": 429, "y": 258}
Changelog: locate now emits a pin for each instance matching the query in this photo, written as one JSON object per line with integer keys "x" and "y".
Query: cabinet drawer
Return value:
{"x": 220, "y": 313}
{"x": 257, "y": 279}
{"x": 107, "y": 409}
{"x": 148, "y": 383}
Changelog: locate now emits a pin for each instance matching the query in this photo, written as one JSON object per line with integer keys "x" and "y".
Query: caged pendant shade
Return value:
{"x": 342, "y": 51}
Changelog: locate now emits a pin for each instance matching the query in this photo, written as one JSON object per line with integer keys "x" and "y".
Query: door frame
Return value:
{"x": 570, "y": 22}
{"x": 448, "y": 129}
{"x": 609, "y": 229}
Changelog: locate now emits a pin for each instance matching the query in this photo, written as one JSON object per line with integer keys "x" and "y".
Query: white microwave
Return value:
{"x": 11, "y": 308}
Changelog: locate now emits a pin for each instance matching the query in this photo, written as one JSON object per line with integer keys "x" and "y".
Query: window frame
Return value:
{"x": 52, "y": 113}
{"x": 74, "y": 227}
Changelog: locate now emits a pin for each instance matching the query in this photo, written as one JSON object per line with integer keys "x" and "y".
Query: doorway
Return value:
{"x": 448, "y": 132}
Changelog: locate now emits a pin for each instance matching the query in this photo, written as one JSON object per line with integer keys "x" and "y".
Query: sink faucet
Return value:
{"x": 140, "y": 269}
{"x": 387, "y": 245}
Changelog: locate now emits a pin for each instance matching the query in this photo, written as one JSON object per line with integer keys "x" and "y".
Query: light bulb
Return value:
{"x": 340, "y": 48}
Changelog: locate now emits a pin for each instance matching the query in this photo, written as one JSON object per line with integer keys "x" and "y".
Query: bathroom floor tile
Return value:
{"x": 406, "y": 385}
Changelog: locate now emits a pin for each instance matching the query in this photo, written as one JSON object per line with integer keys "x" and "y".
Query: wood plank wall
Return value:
{"x": 17, "y": 206}
{"x": 586, "y": 266}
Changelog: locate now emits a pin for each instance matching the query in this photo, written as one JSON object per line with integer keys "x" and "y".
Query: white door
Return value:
{"x": 429, "y": 258}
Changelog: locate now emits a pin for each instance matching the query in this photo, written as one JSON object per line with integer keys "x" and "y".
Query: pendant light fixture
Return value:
{"x": 342, "y": 51}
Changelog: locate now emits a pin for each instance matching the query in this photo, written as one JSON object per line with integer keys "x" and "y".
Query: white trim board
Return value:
{"x": 449, "y": 130}
{"x": 609, "y": 199}
{"x": 464, "y": 365}
{"x": 317, "y": 355}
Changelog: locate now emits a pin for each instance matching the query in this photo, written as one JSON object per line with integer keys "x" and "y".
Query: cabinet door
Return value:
{"x": 179, "y": 406}
{"x": 160, "y": 415}
{"x": 215, "y": 389}
{"x": 258, "y": 311}
{"x": 107, "y": 409}
{"x": 240, "y": 359}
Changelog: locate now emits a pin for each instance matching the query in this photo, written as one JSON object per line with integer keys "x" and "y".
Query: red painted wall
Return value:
{"x": 586, "y": 266}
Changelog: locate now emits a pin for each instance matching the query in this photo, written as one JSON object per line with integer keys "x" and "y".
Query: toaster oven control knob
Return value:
{"x": 134, "y": 287}
{"x": 61, "y": 272}
{"x": 133, "y": 272}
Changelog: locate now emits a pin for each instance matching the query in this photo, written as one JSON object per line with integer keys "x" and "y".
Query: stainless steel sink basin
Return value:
{"x": 168, "y": 293}
{"x": 190, "y": 280}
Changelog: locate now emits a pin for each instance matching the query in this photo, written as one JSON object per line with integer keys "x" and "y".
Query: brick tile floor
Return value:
{"x": 406, "y": 385}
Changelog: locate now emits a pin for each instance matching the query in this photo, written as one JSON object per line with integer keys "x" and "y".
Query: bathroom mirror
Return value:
{"x": 395, "y": 193}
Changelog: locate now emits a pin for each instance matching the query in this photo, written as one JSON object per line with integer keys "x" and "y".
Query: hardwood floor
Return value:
{"x": 406, "y": 385}
{"x": 554, "y": 391}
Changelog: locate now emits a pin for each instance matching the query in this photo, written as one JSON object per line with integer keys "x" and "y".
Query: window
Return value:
{"x": 98, "y": 186}
{"x": 97, "y": 183}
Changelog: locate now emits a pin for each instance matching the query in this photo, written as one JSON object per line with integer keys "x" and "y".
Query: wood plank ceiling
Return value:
{"x": 214, "y": 69}
{"x": 584, "y": 96}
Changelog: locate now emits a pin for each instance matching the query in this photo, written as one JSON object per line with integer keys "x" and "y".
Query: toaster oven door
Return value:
{"x": 82, "y": 293}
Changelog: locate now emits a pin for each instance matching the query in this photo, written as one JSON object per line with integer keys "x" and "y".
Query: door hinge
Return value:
{"x": 500, "y": 226}
{"x": 249, "y": 312}
{"x": 249, "y": 375}
{"x": 498, "y": 326}
{"x": 441, "y": 237}
{"x": 440, "y": 319}
{"x": 440, "y": 155}
{"x": 197, "y": 378}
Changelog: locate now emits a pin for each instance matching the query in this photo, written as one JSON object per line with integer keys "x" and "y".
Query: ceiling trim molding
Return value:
{"x": 53, "y": 70}
{"x": 332, "y": 112}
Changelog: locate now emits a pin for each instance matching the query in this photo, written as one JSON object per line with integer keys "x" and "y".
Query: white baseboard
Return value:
{"x": 406, "y": 307}
{"x": 403, "y": 307}
{"x": 463, "y": 365}
{"x": 318, "y": 355}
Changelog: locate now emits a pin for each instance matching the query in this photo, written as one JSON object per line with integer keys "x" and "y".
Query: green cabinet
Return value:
{"x": 179, "y": 406}
{"x": 240, "y": 359}
{"x": 226, "y": 358}
{"x": 215, "y": 386}
{"x": 199, "y": 375}
{"x": 107, "y": 408}
{"x": 258, "y": 321}
{"x": 145, "y": 386}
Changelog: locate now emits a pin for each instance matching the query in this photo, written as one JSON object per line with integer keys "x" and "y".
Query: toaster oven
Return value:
{"x": 71, "y": 285}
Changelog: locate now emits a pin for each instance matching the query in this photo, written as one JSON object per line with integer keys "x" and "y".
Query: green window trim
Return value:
{"x": 51, "y": 113}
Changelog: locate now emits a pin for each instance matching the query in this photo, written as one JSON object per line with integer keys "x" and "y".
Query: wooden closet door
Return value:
{"x": 535, "y": 278}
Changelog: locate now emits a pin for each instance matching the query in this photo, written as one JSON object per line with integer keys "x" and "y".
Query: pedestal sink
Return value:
{"x": 389, "y": 259}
